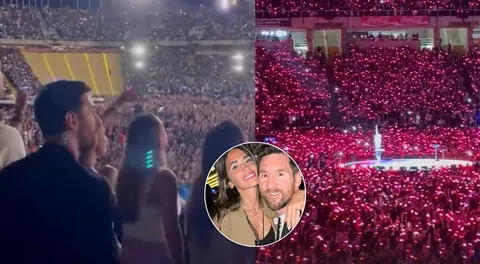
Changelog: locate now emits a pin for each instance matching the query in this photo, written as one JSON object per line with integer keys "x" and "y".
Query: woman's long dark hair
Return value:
{"x": 218, "y": 140}
{"x": 228, "y": 198}
{"x": 143, "y": 154}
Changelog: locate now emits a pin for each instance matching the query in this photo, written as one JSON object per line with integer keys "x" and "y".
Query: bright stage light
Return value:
{"x": 224, "y": 5}
{"x": 238, "y": 68}
{"x": 139, "y": 65}
{"x": 238, "y": 57}
{"x": 138, "y": 50}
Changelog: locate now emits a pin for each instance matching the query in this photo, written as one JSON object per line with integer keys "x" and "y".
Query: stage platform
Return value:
{"x": 408, "y": 164}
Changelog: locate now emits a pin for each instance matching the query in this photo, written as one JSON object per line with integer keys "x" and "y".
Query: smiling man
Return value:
{"x": 279, "y": 179}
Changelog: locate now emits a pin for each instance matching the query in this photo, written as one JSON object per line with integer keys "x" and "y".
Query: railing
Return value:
{"x": 462, "y": 13}
{"x": 426, "y": 42}
{"x": 118, "y": 44}
{"x": 386, "y": 43}
{"x": 300, "y": 44}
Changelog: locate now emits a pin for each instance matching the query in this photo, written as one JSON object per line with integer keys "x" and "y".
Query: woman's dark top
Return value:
{"x": 269, "y": 238}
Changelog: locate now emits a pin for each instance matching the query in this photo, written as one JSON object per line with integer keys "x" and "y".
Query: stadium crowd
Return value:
{"x": 398, "y": 82}
{"x": 363, "y": 215}
{"x": 187, "y": 116}
{"x": 180, "y": 70}
{"x": 187, "y": 119}
{"x": 117, "y": 141}
{"x": 399, "y": 6}
{"x": 188, "y": 112}
{"x": 17, "y": 71}
{"x": 388, "y": 86}
{"x": 180, "y": 22}
{"x": 370, "y": 216}
{"x": 356, "y": 144}
{"x": 289, "y": 87}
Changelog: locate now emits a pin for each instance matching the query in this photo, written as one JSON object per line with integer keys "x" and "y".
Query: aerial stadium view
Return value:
{"x": 378, "y": 103}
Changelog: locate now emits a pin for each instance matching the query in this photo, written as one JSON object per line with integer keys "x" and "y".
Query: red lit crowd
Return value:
{"x": 356, "y": 144}
{"x": 393, "y": 82}
{"x": 288, "y": 87}
{"x": 370, "y": 216}
{"x": 372, "y": 5}
{"x": 363, "y": 215}
{"x": 387, "y": 86}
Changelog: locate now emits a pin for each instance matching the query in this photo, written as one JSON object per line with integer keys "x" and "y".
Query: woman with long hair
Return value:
{"x": 147, "y": 197}
{"x": 205, "y": 244}
{"x": 240, "y": 212}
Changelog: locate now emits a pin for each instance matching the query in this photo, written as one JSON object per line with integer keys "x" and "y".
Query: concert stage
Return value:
{"x": 408, "y": 164}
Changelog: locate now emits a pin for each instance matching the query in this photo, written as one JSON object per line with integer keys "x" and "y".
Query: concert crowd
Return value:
{"x": 347, "y": 7}
{"x": 122, "y": 23}
{"x": 360, "y": 214}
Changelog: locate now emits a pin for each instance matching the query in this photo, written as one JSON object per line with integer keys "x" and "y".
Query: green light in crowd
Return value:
{"x": 149, "y": 159}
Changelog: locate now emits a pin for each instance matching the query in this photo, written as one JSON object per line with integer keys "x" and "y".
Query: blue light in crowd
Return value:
{"x": 184, "y": 191}
{"x": 272, "y": 140}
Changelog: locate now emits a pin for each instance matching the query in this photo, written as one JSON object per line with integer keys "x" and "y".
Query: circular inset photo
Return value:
{"x": 255, "y": 194}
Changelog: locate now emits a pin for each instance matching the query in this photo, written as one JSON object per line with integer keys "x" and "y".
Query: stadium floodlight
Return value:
{"x": 238, "y": 57}
{"x": 238, "y": 68}
{"x": 122, "y": 47}
{"x": 138, "y": 50}
{"x": 139, "y": 65}
{"x": 224, "y": 5}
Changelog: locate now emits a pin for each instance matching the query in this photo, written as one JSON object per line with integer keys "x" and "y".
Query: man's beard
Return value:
{"x": 85, "y": 142}
{"x": 283, "y": 202}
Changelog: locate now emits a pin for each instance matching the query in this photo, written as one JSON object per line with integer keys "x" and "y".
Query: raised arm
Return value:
{"x": 20, "y": 110}
{"x": 112, "y": 112}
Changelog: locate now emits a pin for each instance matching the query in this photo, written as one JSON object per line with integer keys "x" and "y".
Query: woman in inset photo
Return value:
{"x": 241, "y": 214}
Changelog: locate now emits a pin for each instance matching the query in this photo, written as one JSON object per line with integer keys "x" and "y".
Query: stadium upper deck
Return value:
{"x": 178, "y": 22}
{"x": 367, "y": 7}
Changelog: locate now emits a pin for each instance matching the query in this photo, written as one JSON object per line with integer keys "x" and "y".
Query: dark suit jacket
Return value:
{"x": 52, "y": 210}
{"x": 285, "y": 231}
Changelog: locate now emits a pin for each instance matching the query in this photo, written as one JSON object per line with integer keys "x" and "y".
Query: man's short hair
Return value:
{"x": 54, "y": 101}
{"x": 267, "y": 150}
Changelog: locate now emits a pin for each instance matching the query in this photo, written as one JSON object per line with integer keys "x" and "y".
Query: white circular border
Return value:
{"x": 303, "y": 179}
